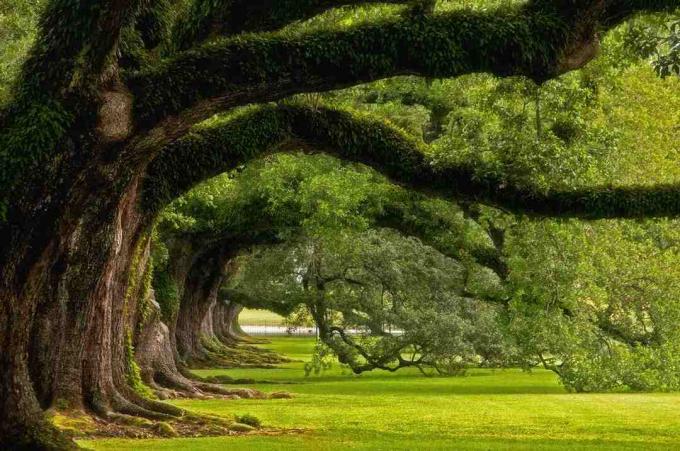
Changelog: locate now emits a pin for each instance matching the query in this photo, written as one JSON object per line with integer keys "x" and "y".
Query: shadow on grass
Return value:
{"x": 400, "y": 385}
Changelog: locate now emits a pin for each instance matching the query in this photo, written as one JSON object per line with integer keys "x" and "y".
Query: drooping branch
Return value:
{"x": 372, "y": 362}
{"x": 213, "y": 150}
{"x": 540, "y": 40}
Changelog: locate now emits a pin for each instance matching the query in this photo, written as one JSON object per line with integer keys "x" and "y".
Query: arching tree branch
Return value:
{"x": 229, "y": 17}
{"x": 211, "y": 151}
{"x": 540, "y": 40}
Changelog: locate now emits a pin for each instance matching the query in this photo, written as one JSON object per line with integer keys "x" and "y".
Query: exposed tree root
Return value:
{"x": 78, "y": 424}
{"x": 146, "y": 418}
{"x": 214, "y": 353}
{"x": 120, "y": 408}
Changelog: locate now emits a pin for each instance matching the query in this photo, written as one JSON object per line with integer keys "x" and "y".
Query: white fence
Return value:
{"x": 277, "y": 330}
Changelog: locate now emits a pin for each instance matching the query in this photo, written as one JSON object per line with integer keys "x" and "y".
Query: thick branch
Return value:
{"x": 209, "y": 18}
{"x": 540, "y": 40}
{"x": 214, "y": 150}
{"x": 74, "y": 42}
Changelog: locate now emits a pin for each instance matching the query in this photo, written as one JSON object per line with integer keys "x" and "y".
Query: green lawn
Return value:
{"x": 382, "y": 411}
{"x": 259, "y": 317}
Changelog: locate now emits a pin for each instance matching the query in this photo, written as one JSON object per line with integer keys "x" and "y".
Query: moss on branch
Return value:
{"x": 539, "y": 39}
{"x": 214, "y": 149}
{"x": 255, "y": 68}
{"x": 210, "y": 18}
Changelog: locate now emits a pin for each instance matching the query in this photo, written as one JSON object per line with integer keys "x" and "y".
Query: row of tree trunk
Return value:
{"x": 72, "y": 309}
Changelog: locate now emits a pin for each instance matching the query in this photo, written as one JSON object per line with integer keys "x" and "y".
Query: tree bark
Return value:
{"x": 194, "y": 319}
{"x": 156, "y": 356}
{"x": 67, "y": 265}
{"x": 225, "y": 322}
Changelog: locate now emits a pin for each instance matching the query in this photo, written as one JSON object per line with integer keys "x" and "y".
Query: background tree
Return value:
{"x": 382, "y": 301}
{"x": 270, "y": 201}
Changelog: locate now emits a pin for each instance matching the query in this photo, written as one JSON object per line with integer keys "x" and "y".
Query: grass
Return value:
{"x": 383, "y": 411}
{"x": 259, "y": 317}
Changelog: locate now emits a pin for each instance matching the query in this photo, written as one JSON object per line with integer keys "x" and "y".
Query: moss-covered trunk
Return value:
{"x": 66, "y": 309}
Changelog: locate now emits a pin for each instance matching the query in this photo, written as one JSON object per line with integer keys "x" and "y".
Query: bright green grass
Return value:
{"x": 259, "y": 317}
{"x": 382, "y": 411}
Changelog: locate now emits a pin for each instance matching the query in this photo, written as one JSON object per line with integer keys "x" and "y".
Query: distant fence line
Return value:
{"x": 277, "y": 330}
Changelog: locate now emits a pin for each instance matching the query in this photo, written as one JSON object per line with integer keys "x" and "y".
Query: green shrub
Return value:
{"x": 250, "y": 420}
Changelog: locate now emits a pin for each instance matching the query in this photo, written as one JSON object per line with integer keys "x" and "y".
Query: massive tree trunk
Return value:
{"x": 69, "y": 310}
{"x": 156, "y": 351}
{"x": 75, "y": 241}
{"x": 156, "y": 357}
{"x": 200, "y": 326}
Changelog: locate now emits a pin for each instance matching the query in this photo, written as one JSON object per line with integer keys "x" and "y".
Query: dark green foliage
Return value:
{"x": 154, "y": 22}
{"x": 516, "y": 41}
{"x": 167, "y": 294}
{"x": 165, "y": 180}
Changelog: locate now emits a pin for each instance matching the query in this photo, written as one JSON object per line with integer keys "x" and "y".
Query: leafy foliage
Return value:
{"x": 382, "y": 301}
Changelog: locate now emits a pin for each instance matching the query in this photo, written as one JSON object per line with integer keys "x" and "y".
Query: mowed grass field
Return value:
{"x": 259, "y": 317}
{"x": 483, "y": 410}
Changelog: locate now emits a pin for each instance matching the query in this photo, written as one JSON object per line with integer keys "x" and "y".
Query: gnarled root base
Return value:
{"x": 170, "y": 382}
{"x": 215, "y": 354}
{"x": 78, "y": 424}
